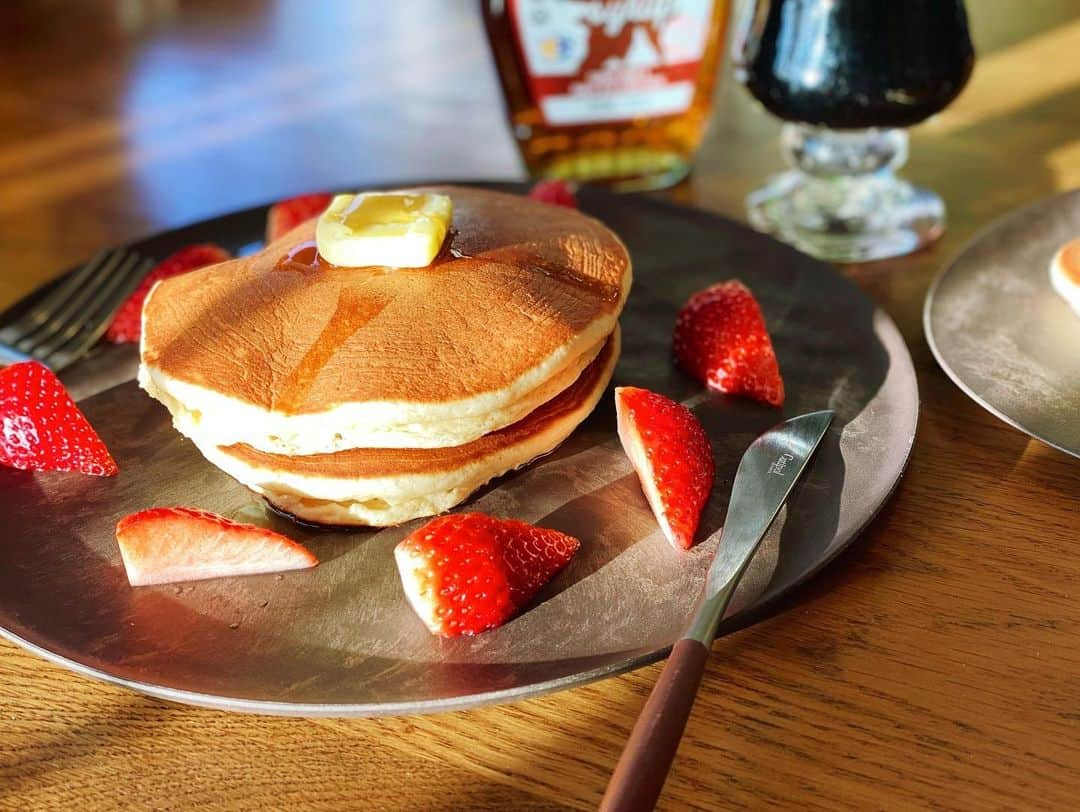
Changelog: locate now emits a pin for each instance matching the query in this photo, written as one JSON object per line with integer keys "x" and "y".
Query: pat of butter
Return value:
{"x": 391, "y": 229}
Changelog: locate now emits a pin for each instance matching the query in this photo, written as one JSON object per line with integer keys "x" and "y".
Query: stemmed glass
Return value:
{"x": 847, "y": 76}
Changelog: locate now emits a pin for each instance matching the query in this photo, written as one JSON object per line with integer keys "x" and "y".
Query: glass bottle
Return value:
{"x": 611, "y": 91}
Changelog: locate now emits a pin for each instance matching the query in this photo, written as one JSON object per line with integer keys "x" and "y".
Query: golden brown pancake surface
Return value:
{"x": 365, "y": 463}
{"x": 517, "y": 281}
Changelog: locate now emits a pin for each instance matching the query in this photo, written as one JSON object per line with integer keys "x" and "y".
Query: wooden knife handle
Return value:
{"x": 643, "y": 766}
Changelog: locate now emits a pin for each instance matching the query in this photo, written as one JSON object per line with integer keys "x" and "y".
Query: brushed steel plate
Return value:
{"x": 341, "y": 639}
{"x": 1001, "y": 332}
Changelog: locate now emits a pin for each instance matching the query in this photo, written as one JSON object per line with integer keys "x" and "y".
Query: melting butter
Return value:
{"x": 389, "y": 229}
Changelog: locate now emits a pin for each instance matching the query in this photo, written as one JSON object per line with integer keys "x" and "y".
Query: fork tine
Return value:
{"x": 101, "y": 295}
{"x": 41, "y": 312}
{"x": 75, "y": 306}
{"x": 83, "y": 335}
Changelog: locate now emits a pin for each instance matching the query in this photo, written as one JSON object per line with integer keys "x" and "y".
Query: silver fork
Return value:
{"x": 67, "y": 322}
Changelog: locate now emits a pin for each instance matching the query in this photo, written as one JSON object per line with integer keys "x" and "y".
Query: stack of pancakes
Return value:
{"x": 373, "y": 396}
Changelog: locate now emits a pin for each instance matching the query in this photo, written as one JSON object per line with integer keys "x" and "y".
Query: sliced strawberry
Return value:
{"x": 556, "y": 192}
{"x": 672, "y": 456}
{"x": 41, "y": 428}
{"x": 720, "y": 338}
{"x": 286, "y": 215}
{"x": 467, "y": 573}
{"x": 127, "y": 323}
{"x": 166, "y": 545}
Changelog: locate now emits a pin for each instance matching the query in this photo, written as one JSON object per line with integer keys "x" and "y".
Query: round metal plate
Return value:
{"x": 342, "y": 640}
{"x": 1003, "y": 334}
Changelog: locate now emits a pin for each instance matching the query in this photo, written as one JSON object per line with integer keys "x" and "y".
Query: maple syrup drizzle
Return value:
{"x": 303, "y": 256}
{"x": 561, "y": 273}
{"x": 355, "y": 308}
{"x": 448, "y": 251}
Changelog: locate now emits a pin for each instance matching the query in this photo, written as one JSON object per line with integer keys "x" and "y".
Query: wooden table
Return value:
{"x": 935, "y": 664}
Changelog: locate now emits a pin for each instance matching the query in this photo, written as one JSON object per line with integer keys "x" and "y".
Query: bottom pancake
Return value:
{"x": 387, "y": 486}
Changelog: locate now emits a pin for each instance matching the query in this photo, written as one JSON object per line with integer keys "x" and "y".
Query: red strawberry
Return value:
{"x": 467, "y": 573}
{"x": 672, "y": 456}
{"x": 165, "y": 545}
{"x": 127, "y": 323}
{"x": 556, "y": 192}
{"x": 286, "y": 215}
{"x": 41, "y": 428}
{"x": 720, "y": 337}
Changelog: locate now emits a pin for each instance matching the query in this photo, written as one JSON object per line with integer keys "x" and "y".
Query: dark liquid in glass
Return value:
{"x": 847, "y": 64}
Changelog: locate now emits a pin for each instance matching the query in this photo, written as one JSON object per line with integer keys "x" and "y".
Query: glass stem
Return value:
{"x": 842, "y": 200}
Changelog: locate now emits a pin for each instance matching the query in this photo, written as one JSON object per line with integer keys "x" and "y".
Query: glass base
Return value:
{"x": 843, "y": 203}
{"x": 908, "y": 219}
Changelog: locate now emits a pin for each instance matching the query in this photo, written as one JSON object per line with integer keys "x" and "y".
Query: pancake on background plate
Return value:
{"x": 1065, "y": 273}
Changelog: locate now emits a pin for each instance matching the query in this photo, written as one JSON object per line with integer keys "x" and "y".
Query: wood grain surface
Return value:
{"x": 934, "y": 665}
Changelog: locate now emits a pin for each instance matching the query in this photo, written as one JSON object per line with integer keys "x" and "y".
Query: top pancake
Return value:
{"x": 290, "y": 355}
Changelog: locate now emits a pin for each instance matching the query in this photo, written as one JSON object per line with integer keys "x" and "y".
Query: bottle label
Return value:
{"x": 591, "y": 61}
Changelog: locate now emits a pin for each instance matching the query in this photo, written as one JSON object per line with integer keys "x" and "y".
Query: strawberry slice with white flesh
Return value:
{"x": 466, "y": 573}
{"x": 171, "y": 544}
{"x": 672, "y": 456}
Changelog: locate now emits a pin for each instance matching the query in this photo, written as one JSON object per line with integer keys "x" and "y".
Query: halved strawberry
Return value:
{"x": 672, "y": 456}
{"x": 467, "y": 573}
{"x": 557, "y": 192}
{"x": 127, "y": 323}
{"x": 720, "y": 338}
{"x": 165, "y": 545}
{"x": 286, "y": 215}
{"x": 41, "y": 428}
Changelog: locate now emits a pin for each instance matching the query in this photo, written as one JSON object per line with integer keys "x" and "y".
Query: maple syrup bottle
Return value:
{"x": 609, "y": 91}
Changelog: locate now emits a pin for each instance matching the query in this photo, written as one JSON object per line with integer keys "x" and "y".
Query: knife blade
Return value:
{"x": 767, "y": 472}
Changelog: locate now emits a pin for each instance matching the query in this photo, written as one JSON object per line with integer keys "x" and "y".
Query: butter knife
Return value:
{"x": 767, "y": 472}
